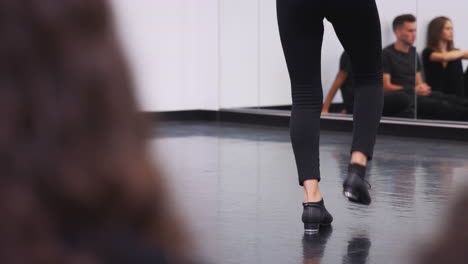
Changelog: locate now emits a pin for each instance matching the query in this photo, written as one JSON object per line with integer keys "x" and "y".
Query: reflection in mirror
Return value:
{"x": 399, "y": 57}
{"x": 444, "y": 48}
{"x": 253, "y": 71}
{"x": 398, "y": 61}
{"x": 401, "y": 69}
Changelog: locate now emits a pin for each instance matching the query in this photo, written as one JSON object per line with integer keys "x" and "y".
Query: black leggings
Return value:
{"x": 357, "y": 25}
{"x": 466, "y": 84}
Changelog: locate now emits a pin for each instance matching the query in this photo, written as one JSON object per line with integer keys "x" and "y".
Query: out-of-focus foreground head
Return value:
{"x": 74, "y": 169}
{"x": 451, "y": 243}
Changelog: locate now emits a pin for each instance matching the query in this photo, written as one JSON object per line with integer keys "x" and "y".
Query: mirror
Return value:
{"x": 253, "y": 71}
{"x": 441, "y": 35}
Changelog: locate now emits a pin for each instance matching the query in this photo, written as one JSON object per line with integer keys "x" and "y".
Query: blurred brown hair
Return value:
{"x": 434, "y": 33}
{"x": 73, "y": 158}
{"x": 451, "y": 243}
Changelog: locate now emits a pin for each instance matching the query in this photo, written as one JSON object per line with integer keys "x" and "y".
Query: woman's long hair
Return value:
{"x": 74, "y": 168}
{"x": 434, "y": 33}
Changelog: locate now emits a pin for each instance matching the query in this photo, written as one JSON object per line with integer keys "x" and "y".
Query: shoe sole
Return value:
{"x": 311, "y": 229}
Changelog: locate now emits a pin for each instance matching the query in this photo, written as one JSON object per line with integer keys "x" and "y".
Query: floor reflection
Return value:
{"x": 237, "y": 187}
{"x": 358, "y": 250}
{"x": 314, "y": 245}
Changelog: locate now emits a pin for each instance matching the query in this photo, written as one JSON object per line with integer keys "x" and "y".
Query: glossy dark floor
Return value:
{"x": 236, "y": 186}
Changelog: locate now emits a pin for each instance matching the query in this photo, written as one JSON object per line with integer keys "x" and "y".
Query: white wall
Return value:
{"x": 238, "y": 39}
{"x": 211, "y": 54}
{"x": 456, "y": 10}
{"x": 172, "y": 47}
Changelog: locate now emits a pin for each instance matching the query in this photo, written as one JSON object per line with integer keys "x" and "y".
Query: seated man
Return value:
{"x": 402, "y": 75}
{"x": 396, "y": 104}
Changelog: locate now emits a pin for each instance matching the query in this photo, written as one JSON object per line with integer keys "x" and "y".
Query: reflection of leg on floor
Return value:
{"x": 358, "y": 250}
{"x": 313, "y": 246}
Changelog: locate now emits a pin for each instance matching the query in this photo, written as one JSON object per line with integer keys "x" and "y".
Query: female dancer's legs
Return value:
{"x": 357, "y": 26}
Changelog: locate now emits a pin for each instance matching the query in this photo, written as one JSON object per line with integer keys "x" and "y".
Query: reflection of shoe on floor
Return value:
{"x": 313, "y": 245}
{"x": 314, "y": 216}
{"x": 355, "y": 186}
{"x": 358, "y": 251}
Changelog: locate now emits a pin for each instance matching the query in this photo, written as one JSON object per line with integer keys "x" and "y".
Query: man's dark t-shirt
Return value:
{"x": 401, "y": 66}
{"x": 448, "y": 80}
{"x": 347, "y": 90}
{"x": 396, "y": 103}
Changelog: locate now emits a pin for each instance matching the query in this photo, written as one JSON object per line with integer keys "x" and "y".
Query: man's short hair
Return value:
{"x": 400, "y": 20}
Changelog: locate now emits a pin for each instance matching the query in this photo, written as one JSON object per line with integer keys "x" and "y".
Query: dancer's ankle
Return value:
{"x": 312, "y": 191}
{"x": 359, "y": 158}
{"x": 313, "y": 198}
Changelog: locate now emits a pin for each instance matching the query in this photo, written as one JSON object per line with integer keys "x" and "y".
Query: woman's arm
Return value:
{"x": 449, "y": 56}
{"x": 419, "y": 78}
{"x": 341, "y": 77}
{"x": 421, "y": 87}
